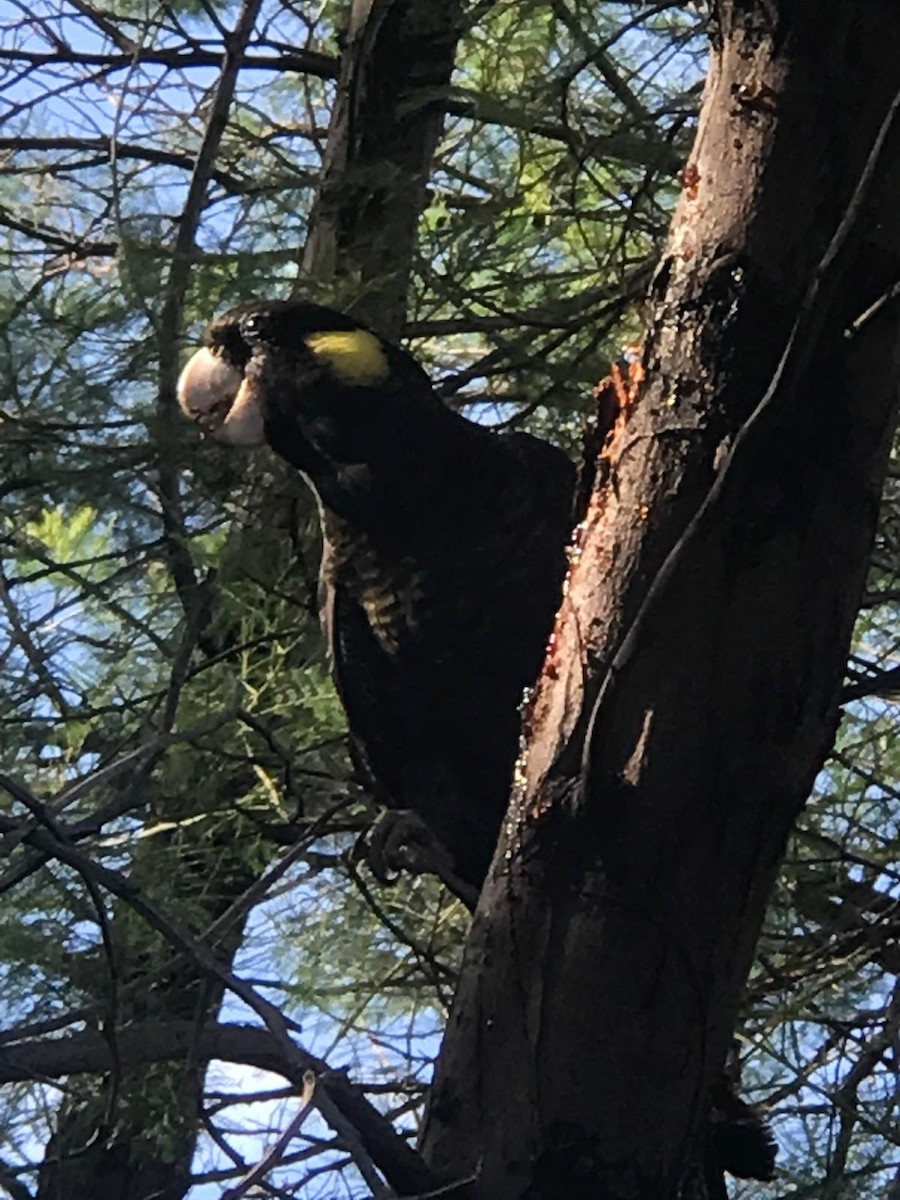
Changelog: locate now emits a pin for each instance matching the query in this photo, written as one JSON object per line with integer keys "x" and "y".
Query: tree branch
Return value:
{"x": 339, "y": 1102}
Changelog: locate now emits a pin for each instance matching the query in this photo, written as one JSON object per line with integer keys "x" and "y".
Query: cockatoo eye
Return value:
{"x": 253, "y": 325}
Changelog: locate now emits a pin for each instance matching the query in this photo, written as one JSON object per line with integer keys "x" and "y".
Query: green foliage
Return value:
{"x": 69, "y": 536}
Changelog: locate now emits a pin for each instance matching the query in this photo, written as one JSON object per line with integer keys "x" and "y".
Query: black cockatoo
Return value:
{"x": 444, "y": 556}
{"x": 443, "y": 562}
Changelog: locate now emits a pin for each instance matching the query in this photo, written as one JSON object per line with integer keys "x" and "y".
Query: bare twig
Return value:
{"x": 169, "y": 324}
{"x": 274, "y": 1156}
{"x": 82, "y": 787}
{"x": 368, "y": 1136}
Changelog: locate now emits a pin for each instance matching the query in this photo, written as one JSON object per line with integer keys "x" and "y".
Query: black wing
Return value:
{"x": 434, "y": 636}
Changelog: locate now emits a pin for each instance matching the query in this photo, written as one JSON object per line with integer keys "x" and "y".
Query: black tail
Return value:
{"x": 742, "y": 1138}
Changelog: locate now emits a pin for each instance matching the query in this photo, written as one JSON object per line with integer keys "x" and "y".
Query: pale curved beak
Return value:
{"x": 215, "y": 395}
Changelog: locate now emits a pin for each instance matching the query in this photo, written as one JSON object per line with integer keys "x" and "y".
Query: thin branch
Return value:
{"x": 100, "y": 778}
{"x": 35, "y": 655}
{"x": 180, "y": 560}
{"x": 274, "y": 1156}
{"x": 15, "y": 1187}
{"x": 57, "y": 240}
{"x": 883, "y": 683}
{"x": 341, "y": 1104}
{"x": 462, "y": 102}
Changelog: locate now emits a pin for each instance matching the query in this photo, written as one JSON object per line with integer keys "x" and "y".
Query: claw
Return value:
{"x": 399, "y": 840}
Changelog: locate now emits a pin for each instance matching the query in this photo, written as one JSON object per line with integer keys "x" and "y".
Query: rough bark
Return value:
{"x": 674, "y": 737}
{"x": 395, "y": 70}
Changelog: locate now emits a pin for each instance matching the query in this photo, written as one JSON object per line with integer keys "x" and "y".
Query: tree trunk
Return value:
{"x": 676, "y": 731}
{"x": 395, "y": 71}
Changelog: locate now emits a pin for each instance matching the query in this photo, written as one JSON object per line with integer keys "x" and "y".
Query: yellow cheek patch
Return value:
{"x": 355, "y": 356}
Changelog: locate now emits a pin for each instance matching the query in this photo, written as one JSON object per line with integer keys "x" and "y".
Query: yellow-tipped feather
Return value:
{"x": 355, "y": 356}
